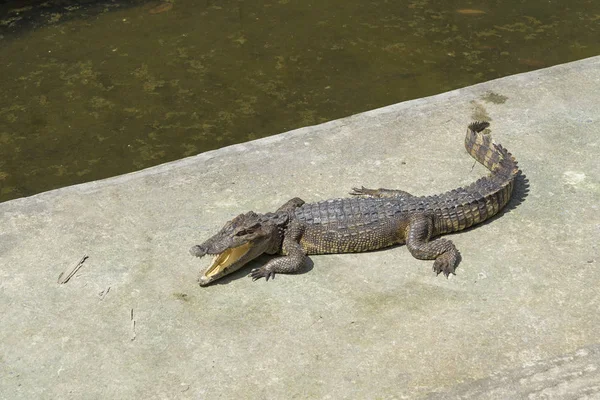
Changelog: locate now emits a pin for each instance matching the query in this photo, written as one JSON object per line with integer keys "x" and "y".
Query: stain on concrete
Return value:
{"x": 479, "y": 112}
{"x": 181, "y": 296}
{"x": 491, "y": 97}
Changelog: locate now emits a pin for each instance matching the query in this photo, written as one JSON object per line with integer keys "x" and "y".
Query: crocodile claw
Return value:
{"x": 363, "y": 191}
{"x": 443, "y": 266}
{"x": 261, "y": 272}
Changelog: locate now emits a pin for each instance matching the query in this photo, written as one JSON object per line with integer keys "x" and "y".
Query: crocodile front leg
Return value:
{"x": 380, "y": 193}
{"x": 418, "y": 233}
{"x": 293, "y": 260}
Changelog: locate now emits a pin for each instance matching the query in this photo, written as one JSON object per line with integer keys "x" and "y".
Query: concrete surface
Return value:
{"x": 519, "y": 320}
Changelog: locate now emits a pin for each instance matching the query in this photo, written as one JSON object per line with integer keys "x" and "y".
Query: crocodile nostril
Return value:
{"x": 198, "y": 251}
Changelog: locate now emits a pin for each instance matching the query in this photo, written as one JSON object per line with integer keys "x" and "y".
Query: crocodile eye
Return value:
{"x": 248, "y": 230}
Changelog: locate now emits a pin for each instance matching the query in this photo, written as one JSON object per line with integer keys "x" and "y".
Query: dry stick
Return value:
{"x": 68, "y": 274}
{"x": 103, "y": 293}
{"x": 132, "y": 326}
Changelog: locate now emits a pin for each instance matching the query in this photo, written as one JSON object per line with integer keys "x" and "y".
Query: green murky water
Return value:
{"x": 91, "y": 93}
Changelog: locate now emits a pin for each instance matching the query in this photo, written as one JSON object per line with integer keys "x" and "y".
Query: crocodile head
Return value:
{"x": 240, "y": 241}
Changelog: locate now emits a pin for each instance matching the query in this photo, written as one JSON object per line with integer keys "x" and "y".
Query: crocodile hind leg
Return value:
{"x": 443, "y": 251}
{"x": 292, "y": 261}
{"x": 363, "y": 191}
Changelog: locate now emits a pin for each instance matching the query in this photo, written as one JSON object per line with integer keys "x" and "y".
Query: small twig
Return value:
{"x": 68, "y": 274}
{"x": 132, "y": 326}
{"x": 103, "y": 293}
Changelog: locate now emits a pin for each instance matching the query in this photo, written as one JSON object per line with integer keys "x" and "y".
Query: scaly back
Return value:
{"x": 466, "y": 206}
{"x": 494, "y": 157}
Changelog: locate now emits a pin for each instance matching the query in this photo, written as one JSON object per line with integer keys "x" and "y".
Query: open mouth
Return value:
{"x": 224, "y": 260}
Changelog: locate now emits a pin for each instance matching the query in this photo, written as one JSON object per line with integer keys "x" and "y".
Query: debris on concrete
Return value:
{"x": 69, "y": 273}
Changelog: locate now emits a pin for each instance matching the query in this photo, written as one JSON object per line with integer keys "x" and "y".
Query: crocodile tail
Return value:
{"x": 494, "y": 157}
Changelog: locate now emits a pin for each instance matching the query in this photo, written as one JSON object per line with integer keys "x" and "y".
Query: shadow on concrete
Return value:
{"x": 520, "y": 192}
{"x": 257, "y": 263}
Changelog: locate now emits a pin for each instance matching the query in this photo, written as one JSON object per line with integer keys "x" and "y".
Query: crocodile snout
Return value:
{"x": 198, "y": 251}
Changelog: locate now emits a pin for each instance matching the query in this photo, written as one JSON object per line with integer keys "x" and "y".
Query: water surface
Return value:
{"x": 96, "y": 89}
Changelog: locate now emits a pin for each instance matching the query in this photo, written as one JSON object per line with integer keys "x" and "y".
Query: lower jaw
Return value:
{"x": 204, "y": 280}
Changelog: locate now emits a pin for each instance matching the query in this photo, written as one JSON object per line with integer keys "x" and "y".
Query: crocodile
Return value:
{"x": 370, "y": 219}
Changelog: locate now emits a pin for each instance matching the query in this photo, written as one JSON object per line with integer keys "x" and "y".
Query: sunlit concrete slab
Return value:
{"x": 133, "y": 323}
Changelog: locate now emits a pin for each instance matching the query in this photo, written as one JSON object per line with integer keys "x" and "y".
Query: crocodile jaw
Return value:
{"x": 222, "y": 264}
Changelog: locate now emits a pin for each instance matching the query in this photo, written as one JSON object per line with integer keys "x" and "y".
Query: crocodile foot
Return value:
{"x": 262, "y": 272}
{"x": 380, "y": 193}
{"x": 363, "y": 191}
{"x": 446, "y": 263}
